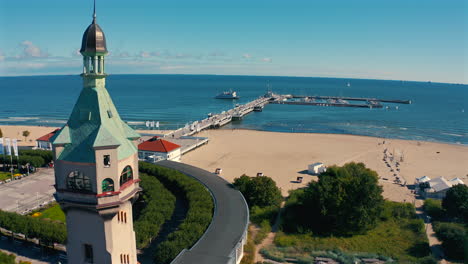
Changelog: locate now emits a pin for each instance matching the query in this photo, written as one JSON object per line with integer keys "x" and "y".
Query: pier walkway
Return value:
{"x": 220, "y": 119}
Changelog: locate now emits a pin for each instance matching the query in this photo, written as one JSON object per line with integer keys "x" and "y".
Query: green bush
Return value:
{"x": 259, "y": 191}
{"x": 454, "y": 239}
{"x": 158, "y": 207}
{"x": 45, "y": 154}
{"x": 7, "y": 258}
{"x": 434, "y": 208}
{"x": 345, "y": 200}
{"x": 456, "y": 202}
{"x": 199, "y": 214}
{"x": 47, "y": 232}
{"x": 35, "y": 161}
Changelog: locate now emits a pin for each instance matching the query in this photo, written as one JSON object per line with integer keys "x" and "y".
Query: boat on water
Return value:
{"x": 227, "y": 95}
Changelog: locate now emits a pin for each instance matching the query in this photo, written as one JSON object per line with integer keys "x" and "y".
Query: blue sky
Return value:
{"x": 422, "y": 40}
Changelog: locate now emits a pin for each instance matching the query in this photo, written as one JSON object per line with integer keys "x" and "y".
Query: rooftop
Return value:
{"x": 156, "y": 144}
{"x": 48, "y": 136}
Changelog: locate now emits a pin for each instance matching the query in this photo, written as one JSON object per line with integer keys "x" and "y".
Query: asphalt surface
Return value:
{"x": 28, "y": 193}
{"x": 229, "y": 224}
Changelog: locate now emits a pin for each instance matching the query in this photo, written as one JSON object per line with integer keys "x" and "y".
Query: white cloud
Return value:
{"x": 31, "y": 50}
{"x": 267, "y": 60}
{"x": 2, "y": 57}
{"x": 246, "y": 56}
{"x": 176, "y": 67}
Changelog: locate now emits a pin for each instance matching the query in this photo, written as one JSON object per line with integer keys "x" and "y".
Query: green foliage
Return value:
{"x": 345, "y": 200}
{"x": 259, "y": 214}
{"x": 7, "y": 258}
{"x": 265, "y": 229}
{"x": 47, "y": 232}
{"x": 45, "y": 154}
{"x": 52, "y": 212}
{"x": 454, "y": 239}
{"x": 198, "y": 217}
{"x": 35, "y": 161}
{"x": 26, "y": 134}
{"x": 456, "y": 202}
{"x": 249, "y": 250}
{"x": 159, "y": 204}
{"x": 399, "y": 234}
{"x": 395, "y": 210}
{"x": 259, "y": 191}
{"x": 434, "y": 208}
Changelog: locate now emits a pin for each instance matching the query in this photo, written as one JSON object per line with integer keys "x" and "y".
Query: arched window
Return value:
{"x": 107, "y": 185}
{"x": 126, "y": 175}
{"x": 78, "y": 181}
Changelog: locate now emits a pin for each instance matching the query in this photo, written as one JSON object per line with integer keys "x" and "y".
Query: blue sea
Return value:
{"x": 439, "y": 111}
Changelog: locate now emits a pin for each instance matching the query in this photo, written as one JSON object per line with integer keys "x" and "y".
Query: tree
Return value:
{"x": 453, "y": 237}
{"x": 345, "y": 200}
{"x": 259, "y": 191}
{"x": 456, "y": 202}
{"x": 26, "y": 134}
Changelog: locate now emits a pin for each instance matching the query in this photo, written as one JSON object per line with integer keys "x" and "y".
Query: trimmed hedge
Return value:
{"x": 158, "y": 208}
{"x": 199, "y": 215}
{"x": 47, "y": 232}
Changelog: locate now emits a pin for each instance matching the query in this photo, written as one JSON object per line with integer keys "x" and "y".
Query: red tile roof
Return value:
{"x": 48, "y": 136}
{"x": 158, "y": 145}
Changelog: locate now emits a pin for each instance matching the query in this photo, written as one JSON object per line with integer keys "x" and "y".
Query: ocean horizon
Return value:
{"x": 437, "y": 113}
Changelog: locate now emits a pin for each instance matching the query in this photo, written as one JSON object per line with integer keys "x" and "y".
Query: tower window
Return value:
{"x": 107, "y": 185}
{"x": 109, "y": 113}
{"x": 78, "y": 181}
{"x": 88, "y": 252}
{"x": 126, "y": 175}
{"x": 107, "y": 161}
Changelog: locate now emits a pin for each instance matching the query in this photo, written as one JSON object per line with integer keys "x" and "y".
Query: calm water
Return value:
{"x": 439, "y": 111}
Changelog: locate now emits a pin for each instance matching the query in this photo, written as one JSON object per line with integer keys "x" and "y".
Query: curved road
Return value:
{"x": 224, "y": 239}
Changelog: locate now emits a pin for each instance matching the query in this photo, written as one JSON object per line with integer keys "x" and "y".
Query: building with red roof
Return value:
{"x": 156, "y": 149}
{"x": 44, "y": 141}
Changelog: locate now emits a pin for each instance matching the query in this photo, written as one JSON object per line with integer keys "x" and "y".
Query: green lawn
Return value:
{"x": 53, "y": 212}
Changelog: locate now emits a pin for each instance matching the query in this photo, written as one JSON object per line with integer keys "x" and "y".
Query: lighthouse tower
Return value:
{"x": 96, "y": 167}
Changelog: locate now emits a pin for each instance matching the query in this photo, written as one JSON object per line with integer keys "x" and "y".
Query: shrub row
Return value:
{"x": 47, "y": 232}
{"x": 45, "y": 154}
{"x": 199, "y": 215}
{"x": 158, "y": 207}
{"x": 35, "y": 161}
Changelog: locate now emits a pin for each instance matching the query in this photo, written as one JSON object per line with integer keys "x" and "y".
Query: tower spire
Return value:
{"x": 94, "y": 12}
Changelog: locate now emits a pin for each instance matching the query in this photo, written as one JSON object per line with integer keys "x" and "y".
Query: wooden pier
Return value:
{"x": 353, "y": 99}
{"x": 238, "y": 112}
{"x": 221, "y": 119}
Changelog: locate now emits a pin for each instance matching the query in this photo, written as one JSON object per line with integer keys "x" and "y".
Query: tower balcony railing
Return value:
{"x": 111, "y": 199}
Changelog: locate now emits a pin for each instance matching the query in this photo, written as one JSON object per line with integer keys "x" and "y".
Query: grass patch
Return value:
{"x": 399, "y": 235}
{"x": 5, "y": 175}
{"x": 249, "y": 250}
{"x": 52, "y": 212}
{"x": 265, "y": 229}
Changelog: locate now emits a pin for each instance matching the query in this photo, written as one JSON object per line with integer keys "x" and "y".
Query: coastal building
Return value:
{"x": 44, "y": 141}
{"x": 156, "y": 149}
{"x": 96, "y": 167}
{"x": 316, "y": 168}
{"x": 436, "y": 188}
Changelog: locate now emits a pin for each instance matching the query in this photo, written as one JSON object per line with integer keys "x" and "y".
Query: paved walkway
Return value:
{"x": 229, "y": 224}
{"x": 28, "y": 193}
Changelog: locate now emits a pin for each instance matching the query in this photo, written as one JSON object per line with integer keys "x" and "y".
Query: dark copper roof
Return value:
{"x": 93, "y": 39}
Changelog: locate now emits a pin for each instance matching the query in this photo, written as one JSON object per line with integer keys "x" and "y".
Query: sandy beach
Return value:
{"x": 285, "y": 156}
